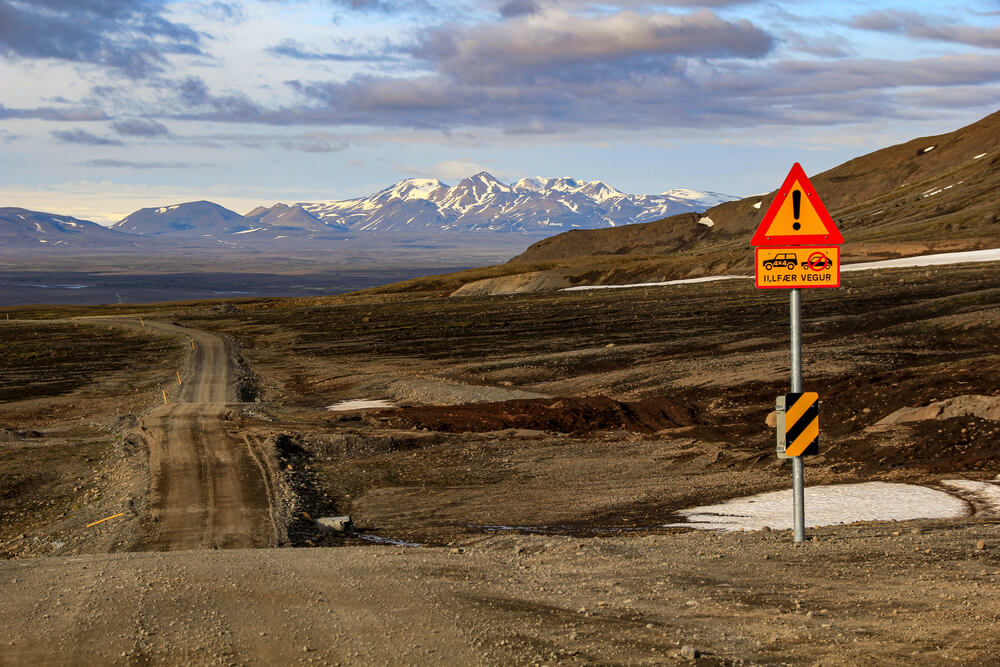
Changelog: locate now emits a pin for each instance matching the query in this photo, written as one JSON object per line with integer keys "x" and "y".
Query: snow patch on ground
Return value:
{"x": 981, "y": 155}
{"x": 991, "y": 255}
{"x": 827, "y": 506}
{"x": 929, "y": 149}
{"x": 707, "y": 221}
{"x": 685, "y": 281}
{"x": 360, "y": 405}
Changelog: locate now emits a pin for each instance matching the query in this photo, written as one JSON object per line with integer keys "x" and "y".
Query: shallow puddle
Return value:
{"x": 386, "y": 540}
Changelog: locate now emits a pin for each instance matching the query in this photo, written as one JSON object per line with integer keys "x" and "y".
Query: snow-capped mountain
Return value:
{"x": 21, "y": 228}
{"x": 418, "y": 207}
{"x": 483, "y": 203}
{"x": 708, "y": 199}
{"x": 282, "y": 217}
{"x": 190, "y": 219}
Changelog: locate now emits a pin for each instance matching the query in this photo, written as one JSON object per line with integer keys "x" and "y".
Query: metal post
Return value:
{"x": 798, "y": 484}
{"x": 796, "y": 340}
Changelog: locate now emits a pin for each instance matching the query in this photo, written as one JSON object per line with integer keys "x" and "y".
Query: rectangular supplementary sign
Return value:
{"x": 801, "y": 423}
{"x": 797, "y": 267}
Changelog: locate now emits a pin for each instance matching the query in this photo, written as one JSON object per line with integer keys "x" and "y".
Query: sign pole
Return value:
{"x": 798, "y": 484}
{"x": 797, "y": 246}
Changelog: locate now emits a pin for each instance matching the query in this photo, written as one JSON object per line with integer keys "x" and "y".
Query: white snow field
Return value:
{"x": 991, "y": 255}
{"x": 685, "y": 281}
{"x": 970, "y": 256}
{"x": 829, "y": 505}
{"x": 360, "y": 405}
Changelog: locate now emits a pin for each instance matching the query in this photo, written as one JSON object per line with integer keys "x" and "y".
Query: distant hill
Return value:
{"x": 285, "y": 217}
{"x": 24, "y": 229}
{"x": 199, "y": 218}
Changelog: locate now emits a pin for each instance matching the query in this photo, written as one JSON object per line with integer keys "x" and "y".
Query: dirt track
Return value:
{"x": 207, "y": 487}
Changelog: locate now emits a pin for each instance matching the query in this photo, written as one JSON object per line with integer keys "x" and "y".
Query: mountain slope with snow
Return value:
{"x": 482, "y": 203}
{"x": 282, "y": 217}
{"x": 21, "y": 228}
{"x": 199, "y": 218}
{"x": 412, "y": 209}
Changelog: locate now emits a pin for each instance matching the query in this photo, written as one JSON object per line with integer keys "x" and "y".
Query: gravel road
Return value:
{"x": 206, "y": 483}
{"x": 924, "y": 594}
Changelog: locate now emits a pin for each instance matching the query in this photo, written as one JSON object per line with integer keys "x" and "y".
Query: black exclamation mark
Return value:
{"x": 796, "y": 209}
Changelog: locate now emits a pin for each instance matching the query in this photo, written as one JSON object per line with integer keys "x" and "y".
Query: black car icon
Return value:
{"x": 785, "y": 259}
{"x": 817, "y": 262}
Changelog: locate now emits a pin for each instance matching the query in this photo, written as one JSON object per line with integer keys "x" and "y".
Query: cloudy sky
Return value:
{"x": 108, "y": 106}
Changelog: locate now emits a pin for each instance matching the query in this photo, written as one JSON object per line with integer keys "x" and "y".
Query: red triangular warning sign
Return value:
{"x": 796, "y": 216}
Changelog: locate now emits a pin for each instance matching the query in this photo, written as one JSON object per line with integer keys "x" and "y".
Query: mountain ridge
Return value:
{"x": 21, "y": 228}
{"x": 481, "y": 202}
{"x": 408, "y": 210}
{"x": 188, "y": 219}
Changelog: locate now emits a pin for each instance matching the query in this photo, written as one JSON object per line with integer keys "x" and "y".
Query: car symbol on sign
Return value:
{"x": 785, "y": 259}
{"x": 817, "y": 262}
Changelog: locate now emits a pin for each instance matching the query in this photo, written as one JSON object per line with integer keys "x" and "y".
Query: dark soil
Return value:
{"x": 44, "y": 479}
{"x": 66, "y": 390}
{"x": 573, "y": 415}
{"x": 50, "y": 359}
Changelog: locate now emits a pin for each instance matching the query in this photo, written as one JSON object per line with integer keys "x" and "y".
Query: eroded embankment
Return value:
{"x": 574, "y": 415}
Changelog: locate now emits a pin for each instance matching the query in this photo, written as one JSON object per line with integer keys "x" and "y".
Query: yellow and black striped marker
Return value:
{"x": 801, "y": 424}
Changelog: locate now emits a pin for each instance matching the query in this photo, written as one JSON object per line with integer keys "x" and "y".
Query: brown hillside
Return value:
{"x": 884, "y": 202}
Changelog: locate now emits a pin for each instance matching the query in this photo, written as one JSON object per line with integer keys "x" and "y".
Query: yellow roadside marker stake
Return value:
{"x": 179, "y": 378}
{"x": 115, "y": 516}
{"x": 192, "y": 343}
{"x": 165, "y": 397}
{"x": 142, "y": 323}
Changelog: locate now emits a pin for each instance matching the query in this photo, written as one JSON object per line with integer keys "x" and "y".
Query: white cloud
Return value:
{"x": 448, "y": 170}
{"x": 554, "y": 38}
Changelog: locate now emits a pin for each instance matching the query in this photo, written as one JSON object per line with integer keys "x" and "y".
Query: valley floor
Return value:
{"x": 512, "y": 507}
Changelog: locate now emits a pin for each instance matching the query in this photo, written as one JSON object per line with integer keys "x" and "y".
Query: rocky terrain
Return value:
{"x": 510, "y": 493}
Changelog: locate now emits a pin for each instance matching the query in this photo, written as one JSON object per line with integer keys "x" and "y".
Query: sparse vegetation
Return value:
{"x": 43, "y": 359}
